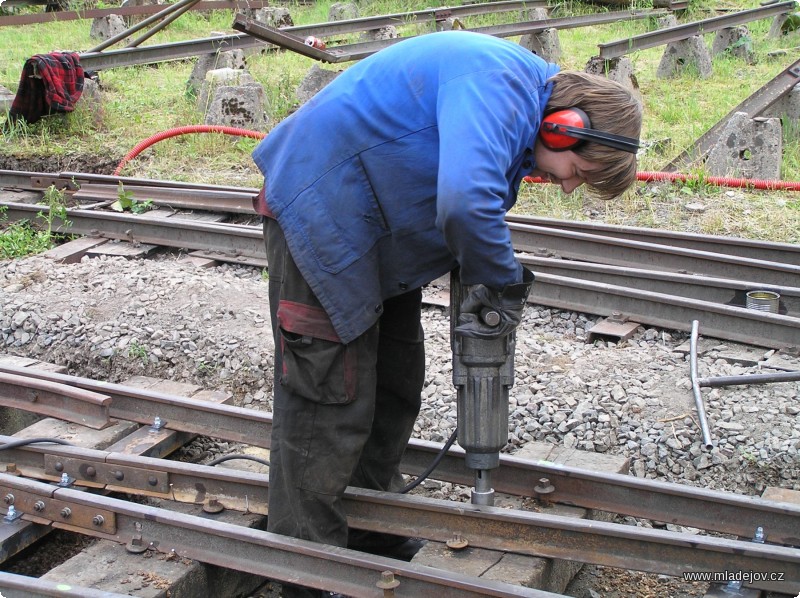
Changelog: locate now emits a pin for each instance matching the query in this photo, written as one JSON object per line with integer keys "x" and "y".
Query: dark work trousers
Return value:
{"x": 342, "y": 414}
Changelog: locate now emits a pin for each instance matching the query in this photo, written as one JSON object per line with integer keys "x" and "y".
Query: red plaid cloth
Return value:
{"x": 50, "y": 83}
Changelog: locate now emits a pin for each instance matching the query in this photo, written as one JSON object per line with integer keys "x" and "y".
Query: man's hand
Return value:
{"x": 508, "y": 304}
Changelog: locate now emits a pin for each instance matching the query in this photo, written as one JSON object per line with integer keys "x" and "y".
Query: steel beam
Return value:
{"x": 753, "y": 106}
{"x": 660, "y": 37}
{"x": 623, "y": 252}
{"x": 65, "y": 402}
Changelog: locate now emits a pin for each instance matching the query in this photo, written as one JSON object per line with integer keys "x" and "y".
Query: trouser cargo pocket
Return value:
{"x": 316, "y": 365}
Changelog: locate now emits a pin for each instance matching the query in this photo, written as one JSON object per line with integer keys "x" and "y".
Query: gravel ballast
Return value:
{"x": 110, "y": 318}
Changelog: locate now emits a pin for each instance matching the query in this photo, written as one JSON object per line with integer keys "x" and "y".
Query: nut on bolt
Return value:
{"x": 38, "y": 506}
{"x": 98, "y": 520}
{"x": 66, "y": 512}
{"x": 387, "y": 583}
{"x": 8, "y": 499}
{"x": 457, "y": 542}
{"x": 544, "y": 489}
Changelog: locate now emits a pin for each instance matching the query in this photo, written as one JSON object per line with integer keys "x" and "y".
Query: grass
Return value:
{"x": 140, "y": 101}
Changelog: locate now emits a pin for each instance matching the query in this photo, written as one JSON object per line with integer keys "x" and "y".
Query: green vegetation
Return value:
{"x": 21, "y": 238}
{"x": 138, "y": 102}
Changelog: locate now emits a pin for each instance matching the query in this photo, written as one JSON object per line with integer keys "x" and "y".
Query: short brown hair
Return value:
{"x": 611, "y": 108}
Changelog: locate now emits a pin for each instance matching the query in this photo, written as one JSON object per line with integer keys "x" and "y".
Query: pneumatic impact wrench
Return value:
{"x": 483, "y": 373}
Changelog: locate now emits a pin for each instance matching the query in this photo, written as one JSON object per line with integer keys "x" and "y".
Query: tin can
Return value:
{"x": 315, "y": 42}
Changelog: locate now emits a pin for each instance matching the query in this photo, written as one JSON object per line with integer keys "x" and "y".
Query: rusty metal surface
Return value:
{"x": 246, "y": 491}
{"x": 289, "y": 39}
{"x": 269, "y": 555}
{"x": 79, "y": 406}
{"x": 624, "y": 252}
{"x": 784, "y": 253}
{"x": 660, "y": 37}
{"x": 176, "y": 412}
{"x": 72, "y": 15}
{"x": 539, "y": 534}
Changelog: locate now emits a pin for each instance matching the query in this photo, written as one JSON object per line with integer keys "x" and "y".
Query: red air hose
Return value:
{"x": 640, "y": 176}
{"x": 143, "y": 145}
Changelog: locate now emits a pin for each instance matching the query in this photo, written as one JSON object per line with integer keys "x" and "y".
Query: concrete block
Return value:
{"x": 343, "y": 11}
{"x": 787, "y": 108}
{"x": 617, "y": 69}
{"x": 388, "y": 32}
{"x": 685, "y": 54}
{"x": 315, "y": 79}
{"x": 749, "y": 148}
{"x": 272, "y": 16}
{"x": 104, "y": 28}
{"x": 220, "y": 77}
{"x": 734, "y": 41}
{"x": 241, "y": 106}
{"x": 6, "y": 98}
{"x": 231, "y": 59}
{"x": 545, "y": 44}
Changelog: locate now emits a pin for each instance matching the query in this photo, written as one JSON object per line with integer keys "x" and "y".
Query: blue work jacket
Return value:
{"x": 404, "y": 167}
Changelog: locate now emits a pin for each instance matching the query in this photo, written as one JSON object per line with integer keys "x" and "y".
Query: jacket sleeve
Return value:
{"x": 487, "y": 121}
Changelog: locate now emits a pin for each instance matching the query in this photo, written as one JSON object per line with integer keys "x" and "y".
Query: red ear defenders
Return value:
{"x": 563, "y": 130}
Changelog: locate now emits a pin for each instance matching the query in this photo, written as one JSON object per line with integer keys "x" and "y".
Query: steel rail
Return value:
{"x": 176, "y": 413}
{"x": 229, "y": 202}
{"x": 699, "y": 288}
{"x": 263, "y": 553}
{"x": 95, "y": 13}
{"x": 235, "y": 241}
{"x": 61, "y": 401}
{"x": 673, "y": 34}
{"x": 535, "y": 534}
{"x": 247, "y": 491}
{"x": 349, "y": 52}
{"x": 739, "y": 324}
{"x": 22, "y": 586}
{"x": 623, "y": 252}
{"x": 176, "y": 50}
{"x": 753, "y": 106}
{"x": 613, "y": 493}
{"x": 784, "y": 253}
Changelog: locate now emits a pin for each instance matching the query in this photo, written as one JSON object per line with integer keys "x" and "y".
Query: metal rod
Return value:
{"x": 175, "y": 14}
{"x": 748, "y": 379}
{"x": 698, "y": 398}
{"x": 156, "y": 17}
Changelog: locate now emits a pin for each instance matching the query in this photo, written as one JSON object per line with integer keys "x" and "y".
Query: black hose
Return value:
{"x": 224, "y": 458}
{"x": 421, "y": 478}
{"x": 27, "y": 441}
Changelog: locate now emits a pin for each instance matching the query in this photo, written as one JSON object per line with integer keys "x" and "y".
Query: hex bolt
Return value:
{"x": 11, "y": 515}
{"x": 8, "y": 499}
{"x": 38, "y": 506}
{"x": 543, "y": 490}
{"x": 387, "y": 583}
{"x": 65, "y": 479}
{"x": 98, "y": 520}
{"x": 66, "y": 512}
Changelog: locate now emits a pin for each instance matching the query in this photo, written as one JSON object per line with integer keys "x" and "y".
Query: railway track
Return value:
{"x": 658, "y": 278}
{"x": 69, "y": 487}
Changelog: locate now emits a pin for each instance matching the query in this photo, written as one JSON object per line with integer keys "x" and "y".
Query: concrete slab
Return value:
{"x": 552, "y": 575}
{"x": 72, "y": 251}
